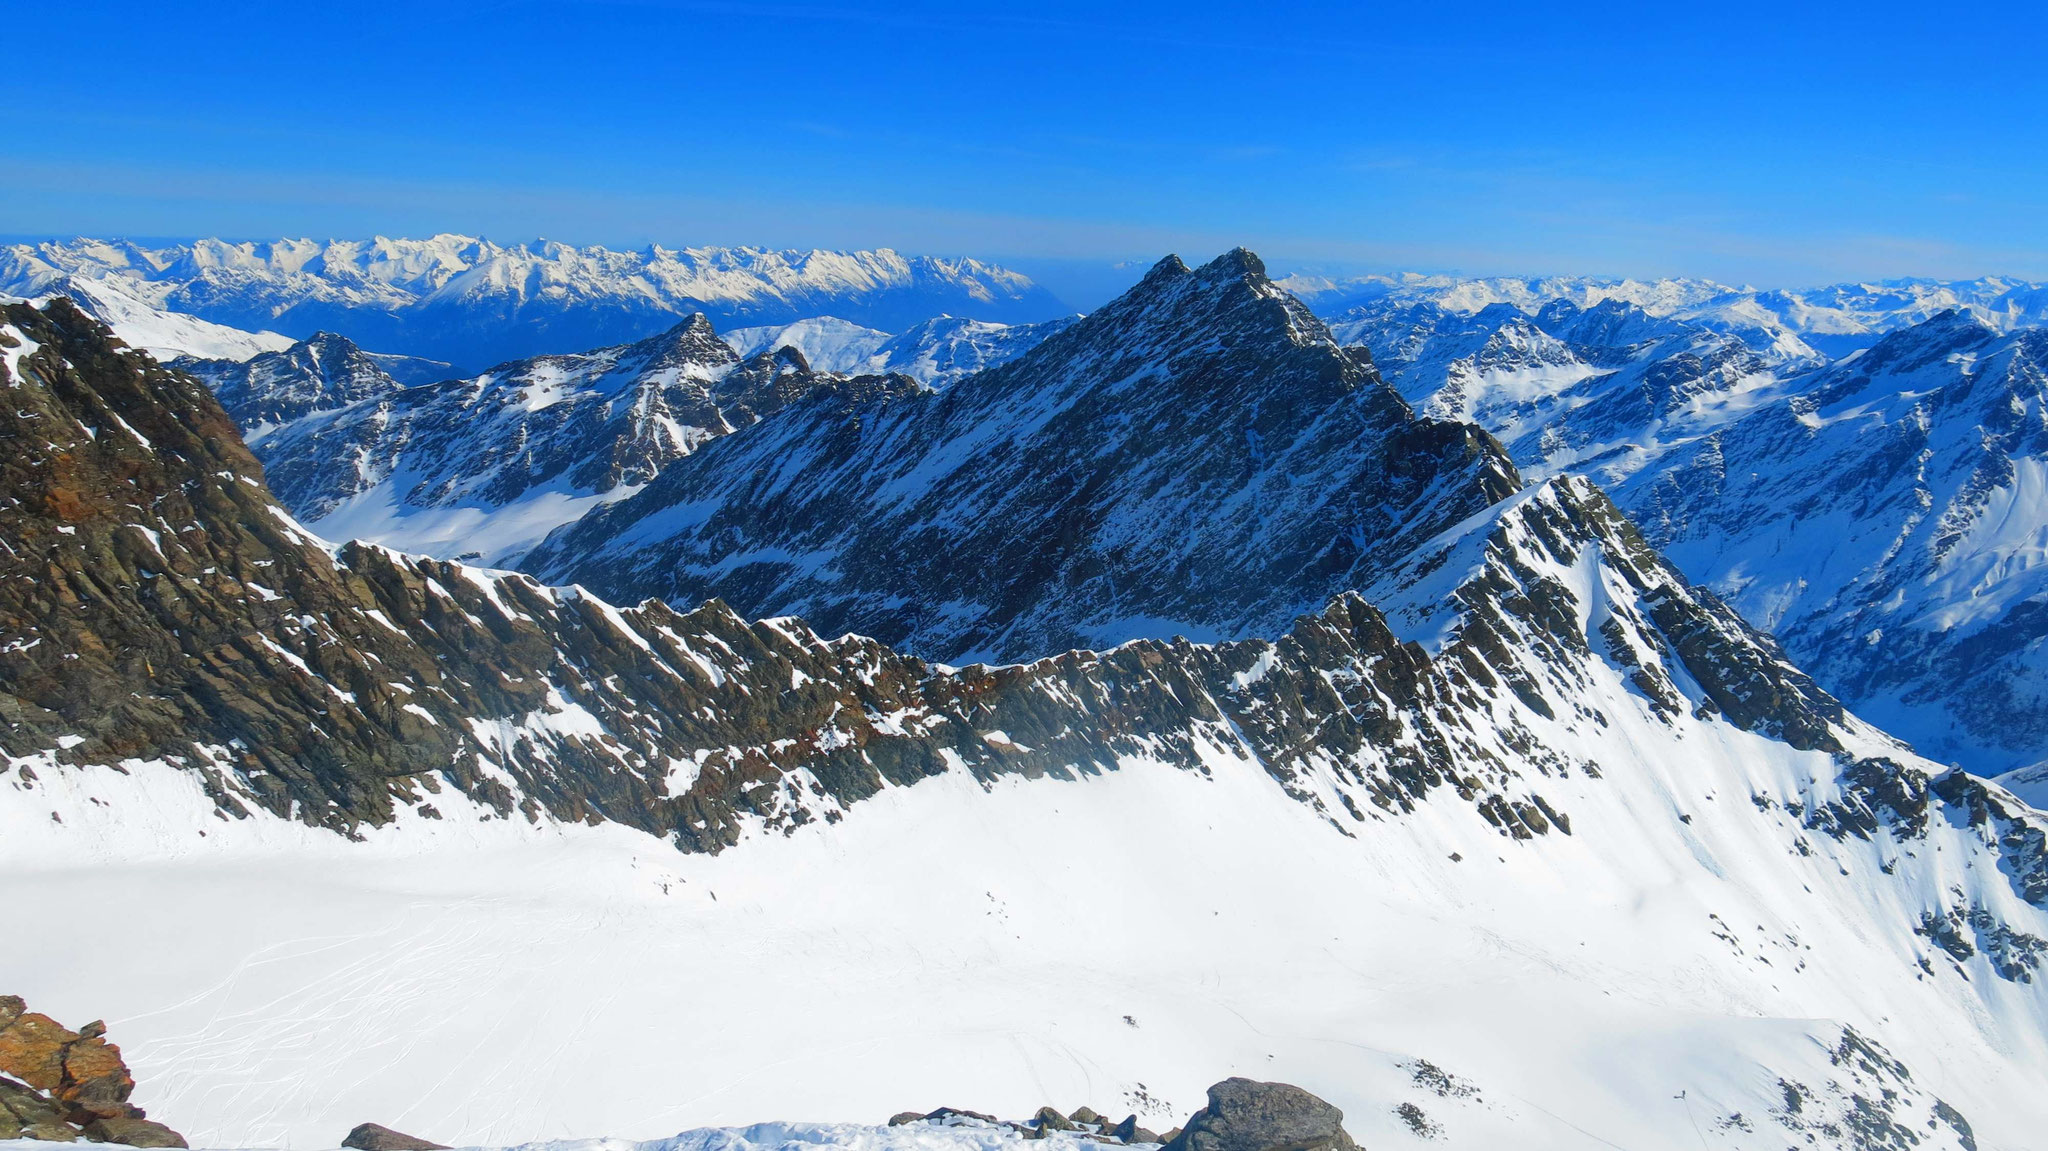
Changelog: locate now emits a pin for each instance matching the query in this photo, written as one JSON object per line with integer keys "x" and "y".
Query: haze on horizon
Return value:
{"x": 1783, "y": 146}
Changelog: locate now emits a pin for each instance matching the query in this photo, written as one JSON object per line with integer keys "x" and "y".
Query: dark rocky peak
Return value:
{"x": 1608, "y": 324}
{"x": 321, "y": 373}
{"x": 1941, "y": 335}
{"x": 1197, "y": 451}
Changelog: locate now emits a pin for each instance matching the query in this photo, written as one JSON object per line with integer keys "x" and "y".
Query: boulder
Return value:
{"x": 132, "y": 1130}
{"x": 1049, "y": 1119}
{"x": 26, "y": 1114}
{"x": 1245, "y": 1115}
{"x": 902, "y": 1117}
{"x": 1085, "y": 1114}
{"x": 945, "y": 1113}
{"x": 377, "y": 1137}
{"x": 1130, "y": 1132}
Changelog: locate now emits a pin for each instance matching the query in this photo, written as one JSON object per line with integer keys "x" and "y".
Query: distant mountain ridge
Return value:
{"x": 1828, "y": 321}
{"x": 472, "y": 302}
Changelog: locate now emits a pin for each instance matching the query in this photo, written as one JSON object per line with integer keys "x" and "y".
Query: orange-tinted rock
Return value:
{"x": 32, "y": 1050}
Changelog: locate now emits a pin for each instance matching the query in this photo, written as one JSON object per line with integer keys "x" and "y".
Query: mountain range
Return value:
{"x": 1827, "y": 321}
{"x": 1456, "y": 771}
{"x": 1879, "y": 513}
{"x": 471, "y": 302}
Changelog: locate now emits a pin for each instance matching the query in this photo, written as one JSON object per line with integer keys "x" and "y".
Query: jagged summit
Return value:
{"x": 1197, "y": 456}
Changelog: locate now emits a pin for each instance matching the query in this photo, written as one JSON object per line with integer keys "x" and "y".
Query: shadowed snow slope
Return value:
{"x": 1556, "y": 822}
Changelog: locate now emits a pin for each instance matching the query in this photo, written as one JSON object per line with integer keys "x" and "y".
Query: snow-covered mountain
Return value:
{"x": 1197, "y": 457}
{"x": 1887, "y": 517}
{"x": 1590, "y": 389}
{"x": 317, "y": 374}
{"x": 938, "y": 351}
{"x": 1878, "y": 514}
{"x": 1780, "y": 323}
{"x": 473, "y": 302}
{"x": 485, "y": 467}
{"x": 1533, "y": 836}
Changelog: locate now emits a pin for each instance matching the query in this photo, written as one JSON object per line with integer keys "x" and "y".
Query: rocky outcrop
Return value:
{"x": 377, "y": 1137}
{"x": 1244, "y": 1115}
{"x": 60, "y": 1085}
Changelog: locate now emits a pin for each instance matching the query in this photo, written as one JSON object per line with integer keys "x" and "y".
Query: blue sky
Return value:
{"x": 1774, "y": 144}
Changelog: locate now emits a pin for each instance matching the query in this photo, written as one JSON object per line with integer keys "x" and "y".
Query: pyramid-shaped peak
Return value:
{"x": 1237, "y": 263}
{"x": 1172, "y": 267}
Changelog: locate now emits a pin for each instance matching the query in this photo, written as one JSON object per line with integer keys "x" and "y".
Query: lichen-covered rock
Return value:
{"x": 59, "y": 1085}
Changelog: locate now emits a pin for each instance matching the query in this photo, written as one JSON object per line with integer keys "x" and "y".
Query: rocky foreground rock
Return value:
{"x": 1245, "y": 1115}
{"x": 1242, "y": 1115}
{"x": 377, "y": 1137}
{"x": 61, "y": 1086}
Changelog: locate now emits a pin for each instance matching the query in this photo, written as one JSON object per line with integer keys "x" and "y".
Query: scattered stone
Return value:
{"x": 377, "y": 1137}
{"x": 1244, "y": 1115}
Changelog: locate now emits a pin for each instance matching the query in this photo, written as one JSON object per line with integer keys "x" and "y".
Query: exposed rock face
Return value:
{"x": 1197, "y": 457}
{"x": 1244, "y": 1115}
{"x": 377, "y": 1137}
{"x": 61, "y": 1085}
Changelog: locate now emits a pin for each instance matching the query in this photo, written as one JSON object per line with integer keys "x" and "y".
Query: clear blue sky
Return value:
{"x": 1776, "y": 144}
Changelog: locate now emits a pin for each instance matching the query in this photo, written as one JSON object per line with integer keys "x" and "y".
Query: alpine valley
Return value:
{"x": 1490, "y": 705}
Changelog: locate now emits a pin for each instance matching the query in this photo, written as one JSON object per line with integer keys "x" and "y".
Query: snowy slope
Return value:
{"x": 1553, "y": 820}
{"x": 163, "y": 334}
{"x": 473, "y": 302}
